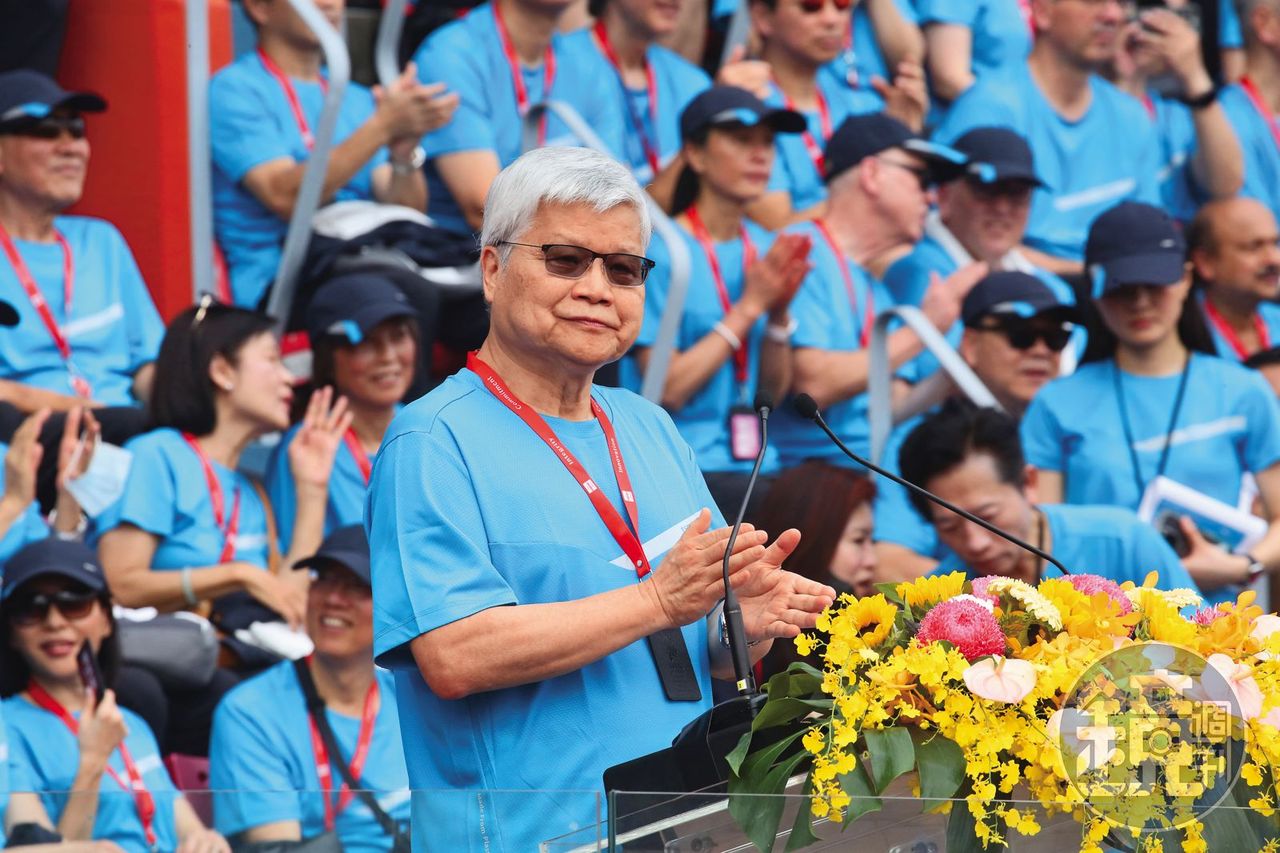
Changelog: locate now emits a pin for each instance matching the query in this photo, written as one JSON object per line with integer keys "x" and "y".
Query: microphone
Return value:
{"x": 806, "y": 407}
{"x": 743, "y": 677}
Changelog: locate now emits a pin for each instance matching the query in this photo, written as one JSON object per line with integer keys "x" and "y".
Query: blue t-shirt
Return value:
{"x": 467, "y": 56}
{"x": 112, "y": 326}
{"x": 1101, "y": 540}
{"x": 1001, "y": 38}
{"x": 1229, "y": 35}
{"x": 251, "y": 123}
{"x": 262, "y": 768}
{"x": 167, "y": 495}
{"x": 896, "y": 520}
{"x": 1180, "y": 195}
{"x": 1109, "y": 155}
{"x": 468, "y": 509}
{"x": 1258, "y": 142}
{"x": 49, "y": 756}
{"x": 864, "y": 60}
{"x": 1268, "y": 312}
{"x": 827, "y": 320}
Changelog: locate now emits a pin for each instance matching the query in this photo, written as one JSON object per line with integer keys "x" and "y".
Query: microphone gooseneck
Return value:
{"x": 806, "y": 407}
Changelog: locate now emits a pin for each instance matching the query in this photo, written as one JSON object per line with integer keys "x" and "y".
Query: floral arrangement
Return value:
{"x": 965, "y": 684}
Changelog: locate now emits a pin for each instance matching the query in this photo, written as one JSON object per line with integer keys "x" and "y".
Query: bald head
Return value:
{"x": 1233, "y": 244}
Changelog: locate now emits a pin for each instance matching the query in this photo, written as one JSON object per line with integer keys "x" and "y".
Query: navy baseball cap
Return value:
{"x": 27, "y": 96}
{"x": 346, "y": 546}
{"x": 1016, "y": 293}
{"x": 352, "y": 305}
{"x": 997, "y": 154}
{"x": 862, "y": 136}
{"x": 1131, "y": 244}
{"x": 53, "y": 556}
{"x": 8, "y": 314}
{"x": 727, "y": 105}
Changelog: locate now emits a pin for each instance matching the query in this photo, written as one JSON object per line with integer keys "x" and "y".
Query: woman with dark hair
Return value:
{"x": 1151, "y": 403}
{"x": 735, "y": 331}
{"x": 102, "y": 760}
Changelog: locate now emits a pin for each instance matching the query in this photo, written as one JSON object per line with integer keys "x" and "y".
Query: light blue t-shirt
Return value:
{"x": 112, "y": 327}
{"x": 251, "y": 123}
{"x": 1229, "y": 34}
{"x": 49, "y": 756}
{"x": 1268, "y": 312}
{"x": 167, "y": 495}
{"x": 864, "y": 60}
{"x": 467, "y": 56}
{"x": 468, "y": 509}
{"x": 896, "y": 520}
{"x": 828, "y": 320}
{"x": 1259, "y": 144}
{"x": 1001, "y": 37}
{"x": 262, "y": 767}
{"x": 1109, "y": 155}
{"x": 1180, "y": 195}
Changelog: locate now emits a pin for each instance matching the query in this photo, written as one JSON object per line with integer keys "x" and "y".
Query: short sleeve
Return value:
{"x": 1229, "y": 35}
{"x": 279, "y": 485}
{"x": 244, "y": 130}
{"x": 1262, "y": 416}
{"x": 249, "y": 777}
{"x": 1042, "y": 436}
{"x": 949, "y": 12}
{"x": 149, "y": 496}
{"x": 471, "y": 128}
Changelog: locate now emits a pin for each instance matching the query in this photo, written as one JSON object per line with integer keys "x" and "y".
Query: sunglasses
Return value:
{"x": 50, "y": 127}
{"x": 34, "y": 609}
{"x": 566, "y": 261}
{"x": 1022, "y": 335}
{"x": 813, "y": 7}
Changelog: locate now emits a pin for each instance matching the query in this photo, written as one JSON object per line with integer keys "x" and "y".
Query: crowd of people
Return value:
{"x": 1061, "y": 188}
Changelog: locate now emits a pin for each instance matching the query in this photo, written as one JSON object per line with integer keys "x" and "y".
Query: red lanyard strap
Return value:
{"x": 357, "y": 452}
{"x": 291, "y": 95}
{"x": 1233, "y": 340}
{"x": 41, "y": 306}
{"x": 741, "y": 367}
{"x": 324, "y": 771}
{"x": 228, "y": 526}
{"x": 142, "y": 799}
{"x": 811, "y": 145}
{"x": 626, "y": 537}
{"x": 650, "y": 149}
{"x": 517, "y": 81}
{"x": 869, "y": 312}
{"x": 1260, "y": 104}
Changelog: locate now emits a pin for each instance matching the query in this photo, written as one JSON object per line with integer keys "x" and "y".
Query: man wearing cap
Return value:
{"x": 265, "y": 768}
{"x": 1234, "y": 249}
{"x": 878, "y": 179}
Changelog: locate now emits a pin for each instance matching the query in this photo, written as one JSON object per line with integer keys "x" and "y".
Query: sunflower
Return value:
{"x": 865, "y": 622}
{"x": 929, "y": 590}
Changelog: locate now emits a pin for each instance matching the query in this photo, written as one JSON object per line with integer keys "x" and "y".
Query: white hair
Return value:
{"x": 558, "y": 176}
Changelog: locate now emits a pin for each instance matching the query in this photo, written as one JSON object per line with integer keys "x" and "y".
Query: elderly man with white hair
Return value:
{"x": 514, "y": 515}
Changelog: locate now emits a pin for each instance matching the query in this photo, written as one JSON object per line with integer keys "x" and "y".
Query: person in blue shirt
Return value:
{"x": 1157, "y": 405}
{"x": 1234, "y": 249}
{"x": 97, "y": 766}
{"x": 264, "y": 109}
{"x": 883, "y": 37}
{"x": 965, "y": 41}
{"x": 501, "y": 59}
{"x": 734, "y": 331}
{"x": 1230, "y": 41}
{"x": 263, "y": 766}
{"x": 972, "y": 458}
{"x": 1093, "y": 144}
{"x": 506, "y": 517}
{"x": 364, "y": 342}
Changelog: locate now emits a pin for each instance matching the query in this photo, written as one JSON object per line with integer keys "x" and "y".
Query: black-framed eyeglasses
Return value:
{"x": 334, "y": 578}
{"x": 569, "y": 261}
{"x": 49, "y": 127}
{"x": 1023, "y": 334}
{"x": 923, "y": 174}
{"x": 28, "y": 610}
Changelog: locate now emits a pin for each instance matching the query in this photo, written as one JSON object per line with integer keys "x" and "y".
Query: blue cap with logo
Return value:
{"x": 997, "y": 154}
{"x": 28, "y": 96}
{"x": 347, "y": 546}
{"x": 1012, "y": 292}
{"x": 729, "y": 105}
{"x": 53, "y": 556}
{"x": 352, "y": 305}
{"x": 862, "y": 136}
{"x": 1134, "y": 244}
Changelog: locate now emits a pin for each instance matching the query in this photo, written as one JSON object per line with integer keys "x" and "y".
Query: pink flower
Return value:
{"x": 1093, "y": 584}
{"x": 1240, "y": 678}
{"x": 1208, "y": 615}
{"x": 1001, "y": 679}
{"x": 967, "y": 625}
{"x": 980, "y": 588}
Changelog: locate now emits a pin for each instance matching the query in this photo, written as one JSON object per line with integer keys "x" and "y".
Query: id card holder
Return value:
{"x": 671, "y": 656}
{"x": 744, "y": 433}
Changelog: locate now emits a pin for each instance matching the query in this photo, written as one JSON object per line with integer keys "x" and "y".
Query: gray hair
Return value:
{"x": 558, "y": 176}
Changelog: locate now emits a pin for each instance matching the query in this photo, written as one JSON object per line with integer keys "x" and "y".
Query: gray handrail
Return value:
{"x": 386, "y": 50}
{"x": 664, "y": 345}
{"x": 308, "y": 201}
{"x": 739, "y": 30}
{"x": 880, "y": 377}
{"x": 199, "y": 170}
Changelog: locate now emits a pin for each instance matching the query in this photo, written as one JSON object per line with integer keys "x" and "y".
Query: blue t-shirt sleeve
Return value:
{"x": 1262, "y": 416}
{"x": 279, "y": 486}
{"x": 445, "y": 58}
{"x": 988, "y": 103}
{"x": 244, "y": 130}
{"x": 1229, "y": 35}
{"x": 149, "y": 496}
{"x": 948, "y": 12}
{"x": 247, "y": 773}
{"x": 1042, "y": 436}
{"x": 143, "y": 326}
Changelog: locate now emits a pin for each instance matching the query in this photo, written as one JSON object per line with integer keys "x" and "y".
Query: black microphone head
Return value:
{"x": 764, "y": 400}
{"x": 805, "y": 406}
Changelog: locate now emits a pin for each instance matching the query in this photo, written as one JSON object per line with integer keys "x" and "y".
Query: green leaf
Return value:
{"x": 890, "y": 591}
{"x": 940, "y": 763}
{"x": 862, "y": 800}
{"x": 759, "y": 816}
{"x": 738, "y": 753}
{"x": 961, "y": 835}
{"x": 892, "y": 754}
{"x": 804, "y": 680}
{"x": 802, "y": 830}
{"x": 753, "y": 772}
{"x": 779, "y": 712}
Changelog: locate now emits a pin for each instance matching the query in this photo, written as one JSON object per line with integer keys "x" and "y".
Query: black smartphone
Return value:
{"x": 90, "y": 672}
{"x": 1171, "y": 529}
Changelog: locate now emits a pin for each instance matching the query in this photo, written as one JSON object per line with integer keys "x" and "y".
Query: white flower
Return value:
{"x": 985, "y": 602}
{"x": 1032, "y": 601}
{"x": 1001, "y": 679}
{"x": 1178, "y": 598}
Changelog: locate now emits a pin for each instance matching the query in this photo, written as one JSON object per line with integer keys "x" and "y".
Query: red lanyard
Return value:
{"x": 650, "y": 150}
{"x": 1255, "y": 97}
{"x": 308, "y": 139}
{"x": 1224, "y": 329}
{"x": 869, "y": 315}
{"x": 810, "y": 144}
{"x": 626, "y": 537}
{"x": 1149, "y": 104}
{"x": 517, "y": 80}
{"x": 357, "y": 453}
{"x": 740, "y": 355}
{"x": 142, "y": 798}
{"x": 324, "y": 771}
{"x": 232, "y": 524}
{"x": 28, "y": 282}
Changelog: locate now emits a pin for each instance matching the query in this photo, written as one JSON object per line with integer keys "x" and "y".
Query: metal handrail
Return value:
{"x": 664, "y": 345}
{"x": 199, "y": 170}
{"x": 386, "y": 50}
{"x": 880, "y": 377}
{"x": 308, "y": 201}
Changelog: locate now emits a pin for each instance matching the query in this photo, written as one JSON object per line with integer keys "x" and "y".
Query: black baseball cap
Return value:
{"x": 728, "y": 105}
{"x": 27, "y": 96}
{"x": 1131, "y": 244}
{"x": 346, "y": 546}
{"x": 1014, "y": 293}
{"x": 861, "y": 136}
{"x": 8, "y": 314}
{"x": 352, "y": 305}
{"x": 997, "y": 154}
{"x": 53, "y": 556}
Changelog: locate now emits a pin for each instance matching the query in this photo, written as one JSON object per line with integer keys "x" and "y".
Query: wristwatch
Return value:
{"x": 1199, "y": 102}
{"x": 415, "y": 162}
{"x": 1256, "y": 569}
